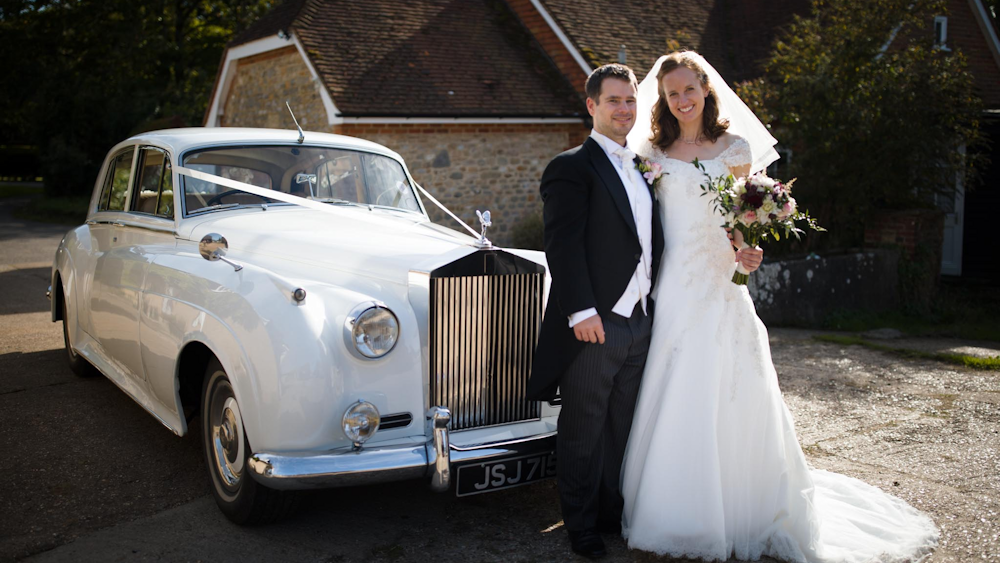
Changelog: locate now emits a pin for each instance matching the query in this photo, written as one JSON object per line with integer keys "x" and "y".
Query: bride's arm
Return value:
{"x": 739, "y": 171}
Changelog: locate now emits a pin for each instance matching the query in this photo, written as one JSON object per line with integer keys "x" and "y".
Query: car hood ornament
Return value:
{"x": 484, "y": 220}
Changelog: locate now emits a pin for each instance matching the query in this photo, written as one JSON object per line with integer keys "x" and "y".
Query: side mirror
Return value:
{"x": 213, "y": 246}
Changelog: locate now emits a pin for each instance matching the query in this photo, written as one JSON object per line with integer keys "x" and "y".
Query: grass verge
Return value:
{"x": 8, "y": 189}
{"x": 961, "y": 309}
{"x": 992, "y": 364}
{"x": 60, "y": 210}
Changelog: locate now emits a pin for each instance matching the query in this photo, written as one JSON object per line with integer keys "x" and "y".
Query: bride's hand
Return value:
{"x": 749, "y": 257}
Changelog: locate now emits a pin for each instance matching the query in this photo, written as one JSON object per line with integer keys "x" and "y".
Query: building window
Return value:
{"x": 780, "y": 168}
{"x": 941, "y": 33}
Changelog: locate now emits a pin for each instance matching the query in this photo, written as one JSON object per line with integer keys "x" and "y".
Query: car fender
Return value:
{"x": 287, "y": 360}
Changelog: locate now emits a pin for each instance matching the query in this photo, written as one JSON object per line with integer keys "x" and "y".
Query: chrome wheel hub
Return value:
{"x": 227, "y": 438}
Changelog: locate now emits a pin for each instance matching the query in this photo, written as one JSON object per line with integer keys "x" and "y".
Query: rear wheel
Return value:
{"x": 77, "y": 363}
{"x": 242, "y": 499}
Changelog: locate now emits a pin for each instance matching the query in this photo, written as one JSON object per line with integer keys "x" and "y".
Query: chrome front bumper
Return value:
{"x": 350, "y": 467}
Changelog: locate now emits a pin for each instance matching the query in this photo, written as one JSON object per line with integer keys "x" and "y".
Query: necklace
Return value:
{"x": 696, "y": 141}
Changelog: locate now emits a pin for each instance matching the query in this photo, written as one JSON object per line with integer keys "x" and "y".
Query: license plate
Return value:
{"x": 504, "y": 473}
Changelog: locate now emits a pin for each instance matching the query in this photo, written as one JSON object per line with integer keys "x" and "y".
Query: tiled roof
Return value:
{"x": 279, "y": 17}
{"x": 434, "y": 58}
{"x": 733, "y": 36}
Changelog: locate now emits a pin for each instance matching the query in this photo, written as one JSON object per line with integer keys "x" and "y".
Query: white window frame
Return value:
{"x": 941, "y": 40}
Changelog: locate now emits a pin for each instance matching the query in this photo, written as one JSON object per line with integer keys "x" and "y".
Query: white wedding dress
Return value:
{"x": 713, "y": 468}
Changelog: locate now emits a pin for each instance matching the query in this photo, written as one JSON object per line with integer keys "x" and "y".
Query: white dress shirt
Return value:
{"x": 641, "y": 203}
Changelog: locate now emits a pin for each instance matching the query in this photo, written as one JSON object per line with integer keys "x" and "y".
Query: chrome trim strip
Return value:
{"x": 503, "y": 443}
{"x": 171, "y": 230}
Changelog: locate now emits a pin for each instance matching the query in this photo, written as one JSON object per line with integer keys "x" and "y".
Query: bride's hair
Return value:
{"x": 664, "y": 127}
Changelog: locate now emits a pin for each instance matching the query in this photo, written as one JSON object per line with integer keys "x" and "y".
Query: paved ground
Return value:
{"x": 89, "y": 476}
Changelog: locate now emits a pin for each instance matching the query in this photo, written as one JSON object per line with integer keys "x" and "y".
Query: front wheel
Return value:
{"x": 242, "y": 499}
{"x": 77, "y": 363}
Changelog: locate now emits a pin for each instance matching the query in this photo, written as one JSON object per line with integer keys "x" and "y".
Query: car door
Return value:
{"x": 101, "y": 225}
{"x": 145, "y": 225}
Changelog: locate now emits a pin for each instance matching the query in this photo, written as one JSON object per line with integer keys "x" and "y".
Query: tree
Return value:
{"x": 81, "y": 75}
{"x": 877, "y": 117}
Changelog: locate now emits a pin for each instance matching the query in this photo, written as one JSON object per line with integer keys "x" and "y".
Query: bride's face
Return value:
{"x": 685, "y": 94}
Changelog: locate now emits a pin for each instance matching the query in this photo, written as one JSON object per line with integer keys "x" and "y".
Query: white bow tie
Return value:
{"x": 626, "y": 154}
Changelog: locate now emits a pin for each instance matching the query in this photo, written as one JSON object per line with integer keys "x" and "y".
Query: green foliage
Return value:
{"x": 527, "y": 233}
{"x": 81, "y": 75}
{"x": 871, "y": 127}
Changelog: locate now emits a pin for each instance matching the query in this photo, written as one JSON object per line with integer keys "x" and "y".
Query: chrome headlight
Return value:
{"x": 371, "y": 330}
{"x": 360, "y": 422}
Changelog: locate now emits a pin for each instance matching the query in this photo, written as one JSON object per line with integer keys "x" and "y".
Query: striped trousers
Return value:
{"x": 599, "y": 392}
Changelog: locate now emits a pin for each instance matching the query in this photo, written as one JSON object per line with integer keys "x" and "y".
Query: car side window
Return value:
{"x": 116, "y": 182}
{"x": 154, "y": 189}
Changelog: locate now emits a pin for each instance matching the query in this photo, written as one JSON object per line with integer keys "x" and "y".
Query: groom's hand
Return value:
{"x": 590, "y": 330}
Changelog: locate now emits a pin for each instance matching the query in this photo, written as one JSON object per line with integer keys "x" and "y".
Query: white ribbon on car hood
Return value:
{"x": 294, "y": 199}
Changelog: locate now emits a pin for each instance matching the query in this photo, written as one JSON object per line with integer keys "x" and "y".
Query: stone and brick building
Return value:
{"x": 478, "y": 95}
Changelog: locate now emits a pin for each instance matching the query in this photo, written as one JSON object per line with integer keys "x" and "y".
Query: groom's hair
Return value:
{"x": 613, "y": 70}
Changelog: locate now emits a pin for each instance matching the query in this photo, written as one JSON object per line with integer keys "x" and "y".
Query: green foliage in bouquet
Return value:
{"x": 758, "y": 206}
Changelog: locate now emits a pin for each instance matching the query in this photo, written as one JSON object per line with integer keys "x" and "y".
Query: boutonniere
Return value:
{"x": 650, "y": 170}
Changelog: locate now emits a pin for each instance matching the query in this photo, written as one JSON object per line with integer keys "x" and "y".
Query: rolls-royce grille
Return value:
{"x": 483, "y": 331}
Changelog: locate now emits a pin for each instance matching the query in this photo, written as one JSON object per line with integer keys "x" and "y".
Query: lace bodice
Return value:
{"x": 697, "y": 248}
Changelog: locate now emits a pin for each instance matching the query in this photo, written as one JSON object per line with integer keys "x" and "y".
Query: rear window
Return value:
{"x": 115, "y": 187}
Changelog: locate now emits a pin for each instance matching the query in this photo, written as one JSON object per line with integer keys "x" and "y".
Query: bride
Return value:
{"x": 713, "y": 467}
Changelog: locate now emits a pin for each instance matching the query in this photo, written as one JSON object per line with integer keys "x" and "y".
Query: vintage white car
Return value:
{"x": 288, "y": 292}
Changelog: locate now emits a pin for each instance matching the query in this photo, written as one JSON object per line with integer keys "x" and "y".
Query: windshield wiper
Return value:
{"x": 215, "y": 207}
{"x": 336, "y": 201}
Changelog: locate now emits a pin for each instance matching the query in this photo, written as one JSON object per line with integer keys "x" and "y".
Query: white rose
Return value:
{"x": 767, "y": 207}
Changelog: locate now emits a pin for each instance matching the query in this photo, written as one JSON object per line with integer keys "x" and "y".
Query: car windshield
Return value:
{"x": 336, "y": 176}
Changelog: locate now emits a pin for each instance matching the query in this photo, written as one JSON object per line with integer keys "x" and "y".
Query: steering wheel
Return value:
{"x": 218, "y": 197}
{"x": 395, "y": 197}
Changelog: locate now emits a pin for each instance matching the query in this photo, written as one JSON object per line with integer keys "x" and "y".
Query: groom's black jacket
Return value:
{"x": 592, "y": 249}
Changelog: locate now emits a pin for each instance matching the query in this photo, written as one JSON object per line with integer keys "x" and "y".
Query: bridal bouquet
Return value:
{"x": 758, "y": 206}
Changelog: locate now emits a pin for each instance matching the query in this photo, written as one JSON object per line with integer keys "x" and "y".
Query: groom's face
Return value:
{"x": 614, "y": 111}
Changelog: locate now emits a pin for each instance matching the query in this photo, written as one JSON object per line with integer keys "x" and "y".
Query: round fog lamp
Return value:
{"x": 361, "y": 422}
{"x": 374, "y": 332}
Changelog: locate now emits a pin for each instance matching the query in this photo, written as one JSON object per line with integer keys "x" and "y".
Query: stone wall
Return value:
{"x": 262, "y": 84}
{"x": 470, "y": 167}
{"x": 804, "y": 292}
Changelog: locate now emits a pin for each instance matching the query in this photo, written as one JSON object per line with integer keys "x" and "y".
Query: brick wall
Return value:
{"x": 965, "y": 33}
{"x": 261, "y": 86}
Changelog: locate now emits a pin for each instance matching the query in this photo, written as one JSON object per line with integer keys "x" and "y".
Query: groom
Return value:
{"x": 603, "y": 243}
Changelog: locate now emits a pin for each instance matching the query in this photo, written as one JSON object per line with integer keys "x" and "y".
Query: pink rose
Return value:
{"x": 748, "y": 218}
